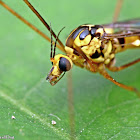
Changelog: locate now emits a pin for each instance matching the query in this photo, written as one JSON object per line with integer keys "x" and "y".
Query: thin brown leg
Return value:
{"x": 117, "y": 10}
{"x": 43, "y": 21}
{"x": 114, "y": 68}
{"x": 91, "y": 63}
{"x": 71, "y": 105}
{"x": 107, "y": 76}
{"x": 28, "y": 24}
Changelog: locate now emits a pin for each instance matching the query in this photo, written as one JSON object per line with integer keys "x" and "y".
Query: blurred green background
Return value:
{"x": 102, "y": 110}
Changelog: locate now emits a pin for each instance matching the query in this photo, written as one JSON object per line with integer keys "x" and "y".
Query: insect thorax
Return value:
{"x": 89, "y": 39}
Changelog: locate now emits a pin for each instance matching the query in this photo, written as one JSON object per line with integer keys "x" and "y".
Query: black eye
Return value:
{"x": 64, "y": 64}
{"x": 84, "y": 34}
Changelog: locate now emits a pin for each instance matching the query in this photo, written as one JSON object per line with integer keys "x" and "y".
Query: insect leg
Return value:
{"x": 107, "y": 76}
{"x": 93, "y": 65}
{"x": 28, "y": 23}
{"x": 114, "y": 68}
{"x": 71, "y": 105}
{"x": 117, "y": 10}
{"x": 43, "y": 21}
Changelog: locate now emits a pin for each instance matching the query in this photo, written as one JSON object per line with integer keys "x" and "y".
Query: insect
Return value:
{"x": 92, "y": 47}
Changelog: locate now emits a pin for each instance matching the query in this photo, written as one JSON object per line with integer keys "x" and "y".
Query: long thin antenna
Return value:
{"x": 56, "y": 42}
{"x": 51, "y": 56}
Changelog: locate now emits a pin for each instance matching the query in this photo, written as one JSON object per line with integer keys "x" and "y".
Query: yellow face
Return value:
{"x": 61, "y": 64}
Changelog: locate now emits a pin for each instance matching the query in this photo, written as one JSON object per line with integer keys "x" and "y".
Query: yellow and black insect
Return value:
{"x": 90, "y": 46}
{"x": 94, "y": 47}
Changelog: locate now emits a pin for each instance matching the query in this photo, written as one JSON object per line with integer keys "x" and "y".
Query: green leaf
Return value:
{"x": 102, "y": 110}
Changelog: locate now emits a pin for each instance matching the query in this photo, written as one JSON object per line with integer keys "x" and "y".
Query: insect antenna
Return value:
{"x": 51, "y": 42}
{"x": 55, "y": 41}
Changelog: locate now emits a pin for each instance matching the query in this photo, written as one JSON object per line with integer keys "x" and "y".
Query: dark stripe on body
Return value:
{"x": 121, "y": 41}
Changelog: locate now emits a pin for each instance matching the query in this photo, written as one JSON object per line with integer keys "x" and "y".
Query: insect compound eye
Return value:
{"x": 84, "y": 34}
{"x": 64, "y": 64}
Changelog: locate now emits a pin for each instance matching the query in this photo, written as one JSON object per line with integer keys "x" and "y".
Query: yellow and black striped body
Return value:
{"x": 121, "y": 44}
{"x": 90, "y": 38}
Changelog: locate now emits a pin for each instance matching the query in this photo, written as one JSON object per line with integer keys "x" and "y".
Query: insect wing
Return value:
{"x": 128, "y": 24}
